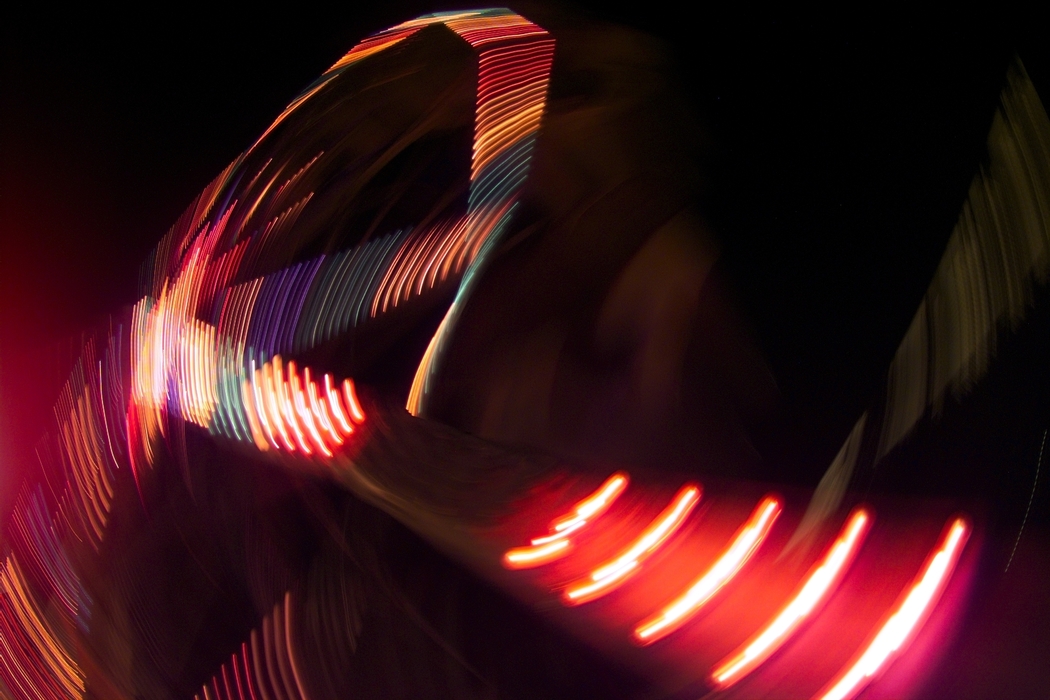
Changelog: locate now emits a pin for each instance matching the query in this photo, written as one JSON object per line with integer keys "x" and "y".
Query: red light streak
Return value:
{"x": 541, "y": 550}
{"x": 818, "y": 587}
{"x": 613, "y": 574}
{"x": 320, "y": 409}
{"x": 524, "y": 557}
{"x": 291, "y": 406}
{"x": 594, "y": 505}
{"x": 747, "y": 540}
{"x": 351, "y": 401}
{"x": 907, "y": 618}
{"x": 333, "y": 401}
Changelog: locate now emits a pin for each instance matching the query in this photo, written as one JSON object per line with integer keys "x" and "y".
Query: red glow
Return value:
{"x": 352, "y": 402}
{"x": 747, "y": 540}
{"x": 525, "y": 557}
{"x": 912, "y": 611}
{"x": 612, "y": 574}
{"x": 281, "y": 403}
{"x": 819, "y": 586}
{"x": 554, "y": 545}
{"x": 590, "y": 508}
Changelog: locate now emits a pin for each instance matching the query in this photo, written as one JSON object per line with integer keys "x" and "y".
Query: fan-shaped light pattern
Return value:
{"x": 35, "y": 660}
{"x": 748, "y": 538}
{"x": 612, "y": 574}
{"x": 209, "y": 315}
{"x": 289, "y": 410}
{"x": 911, "y": 612}
{"x": 268, "y": 665}
{"x": 42, "y": 600}
{"x": 221, "y": 304}
{"x": 819, "y": 585}
{"x": 556, "y": 543}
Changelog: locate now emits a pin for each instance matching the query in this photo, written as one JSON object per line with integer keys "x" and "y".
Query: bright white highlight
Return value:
{"x": 816, "y": 590}
{"x": 909, "y": 616}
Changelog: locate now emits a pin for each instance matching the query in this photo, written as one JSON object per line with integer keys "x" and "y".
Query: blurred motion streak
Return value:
{"x": 983, "y": 285}
{"x": 609, "y": 576}
{"x": 35, "y": 658}
{"x": 280, "y": 398}
{"x": 266, "y": 667}
{"x": 909, "y": 616}
{"x": 819, "y": 586}
{"x": 747, "y": 540}
{"x": 556, "y": 544}
{"x": 289, "y": 272}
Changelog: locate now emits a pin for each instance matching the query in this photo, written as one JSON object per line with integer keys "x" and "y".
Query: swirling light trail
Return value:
{"x": 555, "y": 544}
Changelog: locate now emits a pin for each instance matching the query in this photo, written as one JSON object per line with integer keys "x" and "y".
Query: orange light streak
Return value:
{"x": 320, "y": 410}
{"x": 333, "y": 400}
{"x": 286, "y": 411}
{"x": 270, "y": 384}
{"x": 525, "y": 557}
{"x": 613, "y": 574}
{"x": 909, "y": 616}
{"x": 594, "y": 505}
{"x": 747, "y": 540}
{"x": 250, "y": 399}
{"x": 541, "y": 550}
{"x": 261, "y": 407}
{"x": 35, "y": 627}
{"x": 308, "y": 419}
{"x": 818, "y": 587}
{"x": 303, "y": 416}
{"x": 287, "y": 405}
{"x": 352, "y": 403}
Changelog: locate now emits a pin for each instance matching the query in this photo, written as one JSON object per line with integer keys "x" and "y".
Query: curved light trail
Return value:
{"x": 612, "y": 574}
{"x": 555, "y": 544}
{"x": 744, "y": 544}
{"x": 819, "y": 586}
{"x": 909, "y": 616}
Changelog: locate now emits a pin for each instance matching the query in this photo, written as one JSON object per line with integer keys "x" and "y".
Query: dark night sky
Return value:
{"x": 842, "y": 153}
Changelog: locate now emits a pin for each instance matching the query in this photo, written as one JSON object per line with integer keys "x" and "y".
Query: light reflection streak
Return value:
{"x": 818, "y": 587}
{"x": 280, "y": 396}
{"x": 613, "y": 574}
{"x": 744, "y": 544}
{"x": 909, "y": 616}
{"x": 556, "y": 543}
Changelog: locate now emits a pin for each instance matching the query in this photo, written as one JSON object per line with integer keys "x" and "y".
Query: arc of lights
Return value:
{"x": 912, "y": 610}
{"x": 197, "y": 335}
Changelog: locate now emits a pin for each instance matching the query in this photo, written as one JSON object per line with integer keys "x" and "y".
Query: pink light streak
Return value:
{"x": 908, "y": 618}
